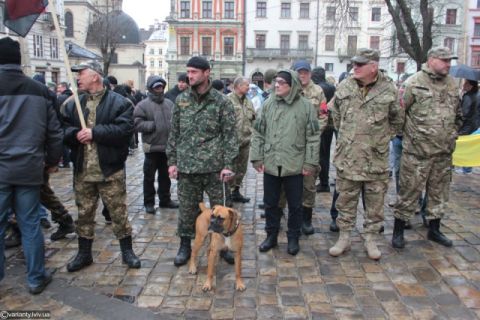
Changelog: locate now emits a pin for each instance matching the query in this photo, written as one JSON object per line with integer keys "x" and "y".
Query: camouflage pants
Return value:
{"x": 349, "y": 192}
{"x": 240, "y": 166}
{"x": 113, "y": 193}
{"x": 434, "y": 175}
{"x": 50, "y": 201}
{"x": 190, "y": 190}
{"x": 309, "y": 189}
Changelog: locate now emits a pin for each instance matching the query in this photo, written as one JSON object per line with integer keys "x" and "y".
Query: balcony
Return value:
{"x": 286, "y": 54}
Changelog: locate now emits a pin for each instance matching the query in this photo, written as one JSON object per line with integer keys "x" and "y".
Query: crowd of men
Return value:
{"x": 204, "y": 138}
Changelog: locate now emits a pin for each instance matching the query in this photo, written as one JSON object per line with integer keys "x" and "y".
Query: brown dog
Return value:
{"x": 226, "y": 232}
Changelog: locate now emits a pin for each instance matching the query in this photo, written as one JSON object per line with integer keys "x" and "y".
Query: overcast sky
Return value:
{"x": 144, "y": 12}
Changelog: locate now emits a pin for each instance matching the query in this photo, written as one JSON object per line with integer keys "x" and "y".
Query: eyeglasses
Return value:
{"x": 280, "y": 82}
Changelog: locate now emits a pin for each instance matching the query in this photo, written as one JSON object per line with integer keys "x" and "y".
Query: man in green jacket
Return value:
{"x": 201, "y": 148}
{"x": 285, "y": 147}
{"x": 366, "y": 114}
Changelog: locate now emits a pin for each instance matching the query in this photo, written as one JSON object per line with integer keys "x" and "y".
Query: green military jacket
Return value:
{"x": 286, "y": 134}
{"x": 314, "y": 93}
{"x": 244, "y": 117}
{"x": 433, "y": 114}
{"x": 203, "y": 137}
{"x": 365, "y": 125}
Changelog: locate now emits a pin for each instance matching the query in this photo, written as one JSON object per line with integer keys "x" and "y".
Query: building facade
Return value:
{"x": 472, "y": 34}
{"x": 213, "y": 29}
{"x": 156, "y": 50}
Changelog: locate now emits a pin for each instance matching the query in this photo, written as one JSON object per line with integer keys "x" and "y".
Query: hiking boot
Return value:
{"x": 307, "y": 227}
{"x": 293, "y": 246}
{"x": 170, "y": 204}
{"x": 397, "y": 237}
{"x": 371, "y": 247}
{"x": 128, "y": 256}
{"x": 435, "y": 235}
{"x": 236, "y": 196}
{"x": 342, "y": 245}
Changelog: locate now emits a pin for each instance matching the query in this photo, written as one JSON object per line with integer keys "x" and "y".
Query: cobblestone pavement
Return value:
{"x": 423, "y": 281}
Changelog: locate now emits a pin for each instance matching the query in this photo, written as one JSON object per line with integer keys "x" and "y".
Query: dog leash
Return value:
{"x": 224, "y": 197}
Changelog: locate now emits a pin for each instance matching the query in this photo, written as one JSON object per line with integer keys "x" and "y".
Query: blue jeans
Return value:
{"x": 25, "y": 201}
{"x": 42, "y": 212}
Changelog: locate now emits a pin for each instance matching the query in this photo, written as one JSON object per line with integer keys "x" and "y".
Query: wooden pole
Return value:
{"x": 72, "y": 81}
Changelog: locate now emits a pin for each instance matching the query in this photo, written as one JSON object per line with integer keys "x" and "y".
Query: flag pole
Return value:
{"x": 73, "y": 83}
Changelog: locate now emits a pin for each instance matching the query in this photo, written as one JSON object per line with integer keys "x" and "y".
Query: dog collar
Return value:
{"x": 231, "y": 232}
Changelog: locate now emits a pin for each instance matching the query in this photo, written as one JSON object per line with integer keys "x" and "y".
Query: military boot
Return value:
{"x": 269, "y": 243}
{"x": 307, "y": 227}
{"x": 434, "y": 234}
{"x": 333, "y": 225}
{"x": 397, "y": 237}
{"x": 128, "y": 256}
{"x": 238, "y": 197}
{"x": 184, "y": 252}
{"x": 293, "y": 246}
{"x": 371, "y": 246}
{"x": 65, "y": 226}
{"x": 83, "y": 257}
{"x": 342, "y": 245}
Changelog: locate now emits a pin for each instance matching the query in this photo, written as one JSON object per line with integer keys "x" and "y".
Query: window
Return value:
{"x": 476, "y": 59}
{"x": 375, "y": 42}
{"x": 478, "y": 4}
{"x": 228, "y": 46}
{"x": 207, "y": 9}
{"x": 451, "y": 16}
{"x": 152, "y": 51}
{"x": 260, "y": 40}
{"x": 353, "y": 12}
{"x": 376, "y": 14}
{"x": 184, "y": 9}
{"x": 68, "y": 24}
{"x": 152, "y": 63}
{"x": 352, "y": 45}
{"x": 160, "y": 64}
{"x": 303, "y": 41}
{"x": 400, "y": 67}
{"x": 53, "y": 48}
{"x": 262, "y": 9}
{"x": 160, "y": 51}
{"x": 55, "y": 76}
{"x": 329, "y": 43}
{"x": 37, "y": 46}
{"x": 206, "y": 46}
{"x": 184, "y": 46}
{"x": 476, "y": 29}
{"x": 284, "y": 44}
{"x": 449, "y": 43}
{"x": 285, "y": 10}
{"x": 304, "y": 10}
{"x": 331, "y": 12}
{"x": 329, "y": 67}
{"x": 229, "y": 9}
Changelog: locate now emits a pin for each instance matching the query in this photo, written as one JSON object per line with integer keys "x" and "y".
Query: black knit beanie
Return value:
{"x": 198, "y": 63}
{"x": 9, "y": 51}
{"x": 285, "y": 76}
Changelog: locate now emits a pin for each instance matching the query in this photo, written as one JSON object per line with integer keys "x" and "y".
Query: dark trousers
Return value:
{"x": 50, "y": 201}
{"x": 155, "y": 161}
{"x": 325, "y": 144}
{"x": 66, "y": 156}
{"x": 293, "y": 186}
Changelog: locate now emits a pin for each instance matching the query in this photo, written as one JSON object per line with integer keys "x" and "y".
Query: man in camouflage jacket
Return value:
{"x": 433, "y": 116}
{"x": 201, "y": 148}
{"x": 366, "y": 115}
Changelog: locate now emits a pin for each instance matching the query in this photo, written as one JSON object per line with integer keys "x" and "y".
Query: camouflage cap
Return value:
{"x": 90, "y": 64}
{"x": 365, "y": 55}
{"x": 441, "y": 53}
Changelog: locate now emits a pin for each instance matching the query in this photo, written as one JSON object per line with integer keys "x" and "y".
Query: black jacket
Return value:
{"x": 469, "y": 112}
{"x": 30, "y": 133}
{"x": 112, "y": 131}
{"x": 173, "y": 93}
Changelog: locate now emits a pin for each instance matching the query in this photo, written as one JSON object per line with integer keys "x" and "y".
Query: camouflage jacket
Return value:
{"x": 203, "y": 137}
{"x": 432, "y": 114}
{"x": 365, "y": 125}
{"x": 244, "y": 117}
{"x": 287, "y": 134}
{"x": 315, "y": 94}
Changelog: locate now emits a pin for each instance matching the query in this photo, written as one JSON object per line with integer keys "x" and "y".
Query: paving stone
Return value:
{"x": 339, "y": 288}
{"x": 411, "y": 290}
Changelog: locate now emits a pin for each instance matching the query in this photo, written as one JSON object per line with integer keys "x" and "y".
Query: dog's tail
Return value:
{"x": 202, "y": 206}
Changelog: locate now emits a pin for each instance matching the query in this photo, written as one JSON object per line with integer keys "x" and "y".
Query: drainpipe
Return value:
{"x": 244, "y": 58}
{"x": 316, "y": 32}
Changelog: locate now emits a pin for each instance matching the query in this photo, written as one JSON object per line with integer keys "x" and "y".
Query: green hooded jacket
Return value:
{"x": 286, "y": 134}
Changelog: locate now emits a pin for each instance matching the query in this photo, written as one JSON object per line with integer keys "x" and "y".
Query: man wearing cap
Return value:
{"x": 366, "y": 114}
{"x": 201, "y": 148}
{"x": 30, "y": 143}
{"x": 432, "y": 119}
{"x": 181, "y": 86}
{"x": 315, "y": 94}
{"x": 285, "y": 147}
{"x": 152, "y": 118}
{"x": 99, "y": 152}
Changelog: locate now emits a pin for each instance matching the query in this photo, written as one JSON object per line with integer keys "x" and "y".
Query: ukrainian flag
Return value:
{"x": 467, "y": 151}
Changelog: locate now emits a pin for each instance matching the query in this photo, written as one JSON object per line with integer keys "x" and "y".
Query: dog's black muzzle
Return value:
{"x": 216, "y": 224}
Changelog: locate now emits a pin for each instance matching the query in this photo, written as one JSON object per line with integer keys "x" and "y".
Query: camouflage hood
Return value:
{"x": 430, "y": 73}
{"x": 295, "y": 90}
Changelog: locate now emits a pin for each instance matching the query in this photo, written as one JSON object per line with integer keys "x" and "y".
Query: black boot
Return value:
{"x": 293, "y": 246}
{"x": 184, "y": 252}
{"x": 128, "y": 256}
{"x": 307, "y": 227}
{"x": 168, "y": 203}
{"x": 84, "y": 255}
{"x": 238, "y": 197}
{"x": 65, "y": 226}
{"x": 106, "y": 214}
{"x": 333, "y": 225}
{"x": 227, "y": 255}
{"x": 434, "y": 234}
{"x": 397, "y": 237}
{"x": 269, "y": 243}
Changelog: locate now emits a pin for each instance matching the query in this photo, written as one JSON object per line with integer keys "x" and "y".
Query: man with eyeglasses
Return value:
{"x": 366, "y": 114}
{"x": 285, "y": 147}
{"x": 433, "y": 117}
